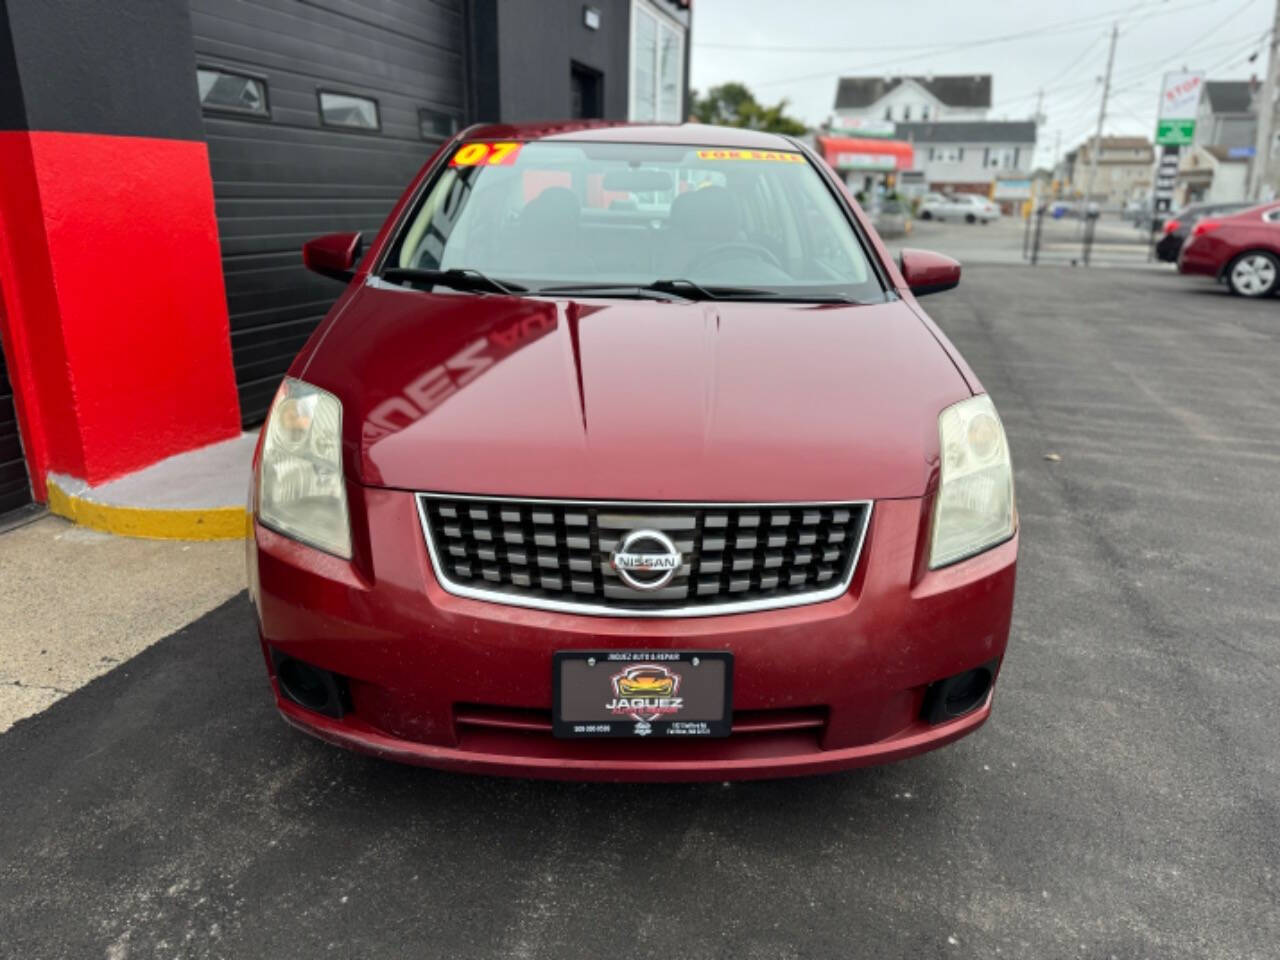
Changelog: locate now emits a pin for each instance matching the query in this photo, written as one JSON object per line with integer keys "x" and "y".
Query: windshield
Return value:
{"x": 548, "y": 215}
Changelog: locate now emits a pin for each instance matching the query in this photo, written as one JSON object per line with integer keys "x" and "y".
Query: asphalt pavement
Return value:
{"x": 1123, "y": 801}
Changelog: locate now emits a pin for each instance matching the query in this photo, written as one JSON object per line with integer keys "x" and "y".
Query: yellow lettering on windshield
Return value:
{"x": 486, "y": 154}
{"x": 767, "y": 156}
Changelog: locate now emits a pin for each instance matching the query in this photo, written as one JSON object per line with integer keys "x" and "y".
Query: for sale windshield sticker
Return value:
{"x": 767, "y": 156}
{"x": 486, "y": 154}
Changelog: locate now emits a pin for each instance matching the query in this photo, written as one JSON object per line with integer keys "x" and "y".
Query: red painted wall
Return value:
{"x": 116, "y": 317}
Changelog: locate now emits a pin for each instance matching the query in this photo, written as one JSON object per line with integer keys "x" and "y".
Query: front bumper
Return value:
{"x": 462, "y": 684}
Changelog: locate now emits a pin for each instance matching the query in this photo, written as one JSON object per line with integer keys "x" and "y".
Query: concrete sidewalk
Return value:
{"x": 198, "y": 495}
{"x": 77, "y": 603}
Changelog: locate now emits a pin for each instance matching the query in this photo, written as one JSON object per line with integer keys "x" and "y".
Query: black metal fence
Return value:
{"x": 1065, "y": 231}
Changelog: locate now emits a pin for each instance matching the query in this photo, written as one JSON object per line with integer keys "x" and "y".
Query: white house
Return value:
{"x": 913, "y": 99}
{"x": 1212, "y": 174}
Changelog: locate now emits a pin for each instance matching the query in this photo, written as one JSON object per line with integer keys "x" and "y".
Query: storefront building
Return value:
{"x": 866, "y": 163}
{"x": 164, "y": 160}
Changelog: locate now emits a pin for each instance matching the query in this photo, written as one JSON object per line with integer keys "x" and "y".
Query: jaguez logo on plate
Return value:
{"x": 645, "y": 692}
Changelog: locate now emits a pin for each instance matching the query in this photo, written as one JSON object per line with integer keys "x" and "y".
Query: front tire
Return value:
{"x": 926, "y": 215}
{"x": 970, "y": 218}
{"x": 1254, "y": 274}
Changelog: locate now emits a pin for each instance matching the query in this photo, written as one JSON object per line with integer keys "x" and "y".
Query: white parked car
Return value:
{"x": 968, "y": 207}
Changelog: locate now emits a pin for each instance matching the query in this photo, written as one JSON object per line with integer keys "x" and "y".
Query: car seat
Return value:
{"x": 700, "y": 220}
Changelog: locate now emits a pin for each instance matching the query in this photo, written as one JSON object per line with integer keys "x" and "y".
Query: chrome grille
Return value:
{"x": 554, "y": 554}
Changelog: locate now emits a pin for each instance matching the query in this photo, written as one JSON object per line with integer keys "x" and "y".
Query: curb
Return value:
{"x": 204, "y": 523}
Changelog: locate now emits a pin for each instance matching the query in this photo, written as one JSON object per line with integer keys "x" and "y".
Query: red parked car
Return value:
{"x": 629, "y": 453}
{"x": 1241, "y": 250}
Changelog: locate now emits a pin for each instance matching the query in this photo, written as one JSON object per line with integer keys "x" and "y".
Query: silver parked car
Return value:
{"x": 969, "y": 207}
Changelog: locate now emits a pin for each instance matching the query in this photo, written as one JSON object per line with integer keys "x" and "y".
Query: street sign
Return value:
{"x": 1179, "y": 103}
{"x": 856, "y": 127}
{"x": 1175, "y": 132}
{"x": 1166, "y": 179}
{"x": 864, "y": 161}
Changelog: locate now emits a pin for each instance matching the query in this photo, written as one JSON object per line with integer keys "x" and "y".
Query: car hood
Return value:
{"x": 631, "y": 399}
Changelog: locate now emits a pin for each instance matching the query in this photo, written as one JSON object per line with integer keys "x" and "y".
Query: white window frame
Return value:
{"x": 641, "y": 8}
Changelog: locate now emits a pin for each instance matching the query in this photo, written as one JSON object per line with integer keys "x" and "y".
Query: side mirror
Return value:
{"x": 334, "y": 255}
{"x": 927, "y": 272}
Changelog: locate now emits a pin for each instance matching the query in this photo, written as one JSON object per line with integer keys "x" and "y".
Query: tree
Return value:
{"x": 733, "y": 105}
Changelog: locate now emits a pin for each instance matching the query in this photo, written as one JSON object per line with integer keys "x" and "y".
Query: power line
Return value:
{"x": 1091, "y": 20}
{"x": 1173, "y": 57}
{"x": 1136, "y": 73}
{"x": 1074, "y": 63}
{"x": 1138, "y": 79}
{"x": 1147, "y": 90}
{"x": 944, "y": 49}
{"x": 1133, "y": 83}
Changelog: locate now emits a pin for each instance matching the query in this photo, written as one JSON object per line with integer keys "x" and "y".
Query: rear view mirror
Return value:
{"x": 334, "y": 255}
{"x": 637, "y": 181}
{"x": 927, "y": 272}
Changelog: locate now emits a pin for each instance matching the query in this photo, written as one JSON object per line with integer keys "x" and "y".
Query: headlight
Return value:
{"x": 975, "y": 507}
{"x": 300, "y": 489}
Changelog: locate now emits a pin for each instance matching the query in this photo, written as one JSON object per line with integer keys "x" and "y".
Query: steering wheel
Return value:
{"x": 725, "y": 250}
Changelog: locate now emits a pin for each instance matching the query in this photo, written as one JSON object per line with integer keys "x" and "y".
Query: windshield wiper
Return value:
{"x": 681, "y": 289}
{"x": 649, "y": 292}
{"x": 459, "y": 278}
{"x": 696, "y": 291}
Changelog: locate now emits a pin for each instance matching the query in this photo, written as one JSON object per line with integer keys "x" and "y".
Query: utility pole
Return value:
{"x": 1102, "y": 117}
{"x": 1039, "y": 117}
{"x": 1260, "y": 174}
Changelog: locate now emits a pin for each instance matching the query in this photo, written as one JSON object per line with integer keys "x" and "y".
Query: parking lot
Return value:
{"x": 1124, "y": 800}
{"x": 1116, "y": 242}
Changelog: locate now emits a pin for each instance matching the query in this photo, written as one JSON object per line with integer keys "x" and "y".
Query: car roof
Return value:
{"x": 597, "y": 131}
{"x": 1206, "y": 207}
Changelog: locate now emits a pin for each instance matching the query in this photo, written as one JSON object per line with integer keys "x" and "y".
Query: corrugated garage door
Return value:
{"x": 15, "y": 485}
{"x": 318, "y": 113}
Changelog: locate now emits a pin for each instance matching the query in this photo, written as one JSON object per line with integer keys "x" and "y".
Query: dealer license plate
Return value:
{"x": 642, "y": 693}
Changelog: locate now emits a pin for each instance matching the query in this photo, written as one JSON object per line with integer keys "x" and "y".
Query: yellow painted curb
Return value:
{"x": 213, "y": 523}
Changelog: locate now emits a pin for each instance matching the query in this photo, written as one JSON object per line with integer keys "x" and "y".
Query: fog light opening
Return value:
{"x": 309, "y": 686}
{"x": 957, "y": 695}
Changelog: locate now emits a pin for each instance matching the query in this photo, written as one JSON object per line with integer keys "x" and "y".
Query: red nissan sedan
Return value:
{"x": 1241, "y": 250}
{"x": 628, "y": 453}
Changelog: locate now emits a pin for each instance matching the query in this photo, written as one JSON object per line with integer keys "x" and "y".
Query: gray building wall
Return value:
{"x": 974, "y": 166}
{"x": 524, "y": 50}
{"x": 1223, "y": 129}
{"x": 1234, "y": 130}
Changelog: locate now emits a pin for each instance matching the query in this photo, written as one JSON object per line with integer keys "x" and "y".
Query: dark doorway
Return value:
{"x": 586, "y": 93}
{"x": 15, "y": 485}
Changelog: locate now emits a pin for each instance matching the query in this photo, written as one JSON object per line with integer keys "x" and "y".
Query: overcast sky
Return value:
{"x": 1063, "y": 50}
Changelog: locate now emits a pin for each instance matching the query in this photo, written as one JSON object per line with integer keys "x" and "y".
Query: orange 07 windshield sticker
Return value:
{"x": 486, "y": 154}
{"x": 767, "y": 156}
